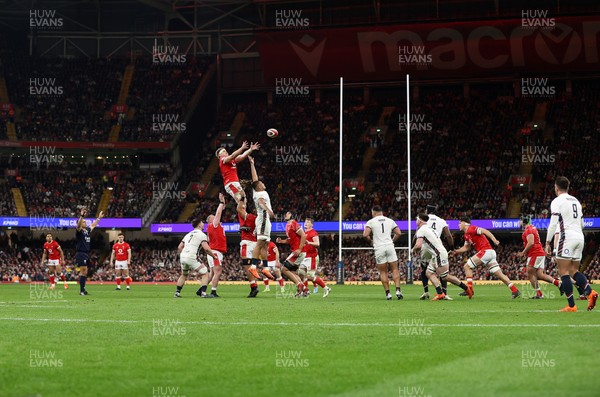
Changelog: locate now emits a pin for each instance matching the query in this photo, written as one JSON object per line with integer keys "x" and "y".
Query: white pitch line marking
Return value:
{"x": 292, "y": 324}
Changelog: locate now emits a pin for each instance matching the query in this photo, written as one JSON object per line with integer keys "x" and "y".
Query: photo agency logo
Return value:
{"x": 45, "y": 20}
{"x": 44, "y": 155}
{"x": 44, "y": 223}
{"x": 537, "y": 154}
{"x": 414, "y": 55}
{"x": 287, "y": 87}
{"x": 536, "y": 359}
{"x": 167, "y": 55}
{"x": 167, "y": 191}
{"x": 45, "y": 86}
{"x": 291, "y": 19}
{"x": 290, "y": 359}
{"x": 537, "y": 19}
{"x": 418, "y": 190}
{"x": 537, "y": 87}
{"x": 44, "y": 359}
{"x": 413, "y": 327}
{"x": 412, "y": 391}
{"x": 418, "y": 123}
{"x": 40, "y": 292}
{"x": 291, "y": 155}
{"x": 168, "y": 327}
{"x": 168, "y": 123}
{"x": 166, "y": 391}
{"x": 549, "y": 291}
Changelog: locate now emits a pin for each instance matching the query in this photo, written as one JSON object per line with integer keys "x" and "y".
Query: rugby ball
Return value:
{"x": 272, "y": 133}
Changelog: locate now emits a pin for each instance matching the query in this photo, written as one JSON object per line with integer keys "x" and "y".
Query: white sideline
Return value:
{"x": 292, "y": 324}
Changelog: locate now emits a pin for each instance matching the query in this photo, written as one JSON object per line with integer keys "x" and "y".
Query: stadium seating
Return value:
{"x": 81, "y": 106}
{"x": 83, "y": 92}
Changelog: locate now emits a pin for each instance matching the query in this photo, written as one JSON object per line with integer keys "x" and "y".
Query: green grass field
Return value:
{"x": 144, "y": 342}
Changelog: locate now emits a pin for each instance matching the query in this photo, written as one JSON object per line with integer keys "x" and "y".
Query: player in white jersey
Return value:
{"x": 440, "y": 228}
{"x": 434, "y": 255}
{"x": 567, "y": 221}
{"x": 264, "y": 213}
{"x": 188, "y": 256}
{"x": 378, "y": 231}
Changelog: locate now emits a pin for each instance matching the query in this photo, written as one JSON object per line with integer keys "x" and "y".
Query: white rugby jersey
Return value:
{"x": 431, "y": 242}
{"x": 192, "y": 242}
{"x": 256, "y": 196}
{"x": 382, "y": 228}
{"x": 436, "y": 224}
{"x": 567, "y": 217}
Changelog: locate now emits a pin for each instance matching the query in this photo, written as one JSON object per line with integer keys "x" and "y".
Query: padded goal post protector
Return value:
{"x": 409, "y": 272}
{"x": 340, "y": 273}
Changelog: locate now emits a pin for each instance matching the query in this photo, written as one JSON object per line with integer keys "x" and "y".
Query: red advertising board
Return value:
{"x": 433, "y": 50}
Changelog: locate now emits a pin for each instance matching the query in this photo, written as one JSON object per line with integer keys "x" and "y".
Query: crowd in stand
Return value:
{"x": 62, "y": 189}
{"x": 7, "y": 204}
{"x": 63, "y": 99}
{"x": 160, "y": 92}
{"x": 59, "y": 99}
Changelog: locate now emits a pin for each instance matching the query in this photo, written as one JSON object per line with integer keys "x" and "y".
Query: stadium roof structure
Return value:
{"x": 104, "y": 27}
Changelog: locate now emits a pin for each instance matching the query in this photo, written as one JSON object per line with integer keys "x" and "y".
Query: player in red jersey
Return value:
{"x": 536, "y": 257}
{"x": 478, "y": 237}
{"x": 121, "y": 257}
{"x": 310, "y": 264}
{"x": 274, "y": 266}
{"x": 218, "y": 244}
{"x": 296, "y": 238}
{"x": 228, "y": 166}
{"x": 56, "y": 257}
